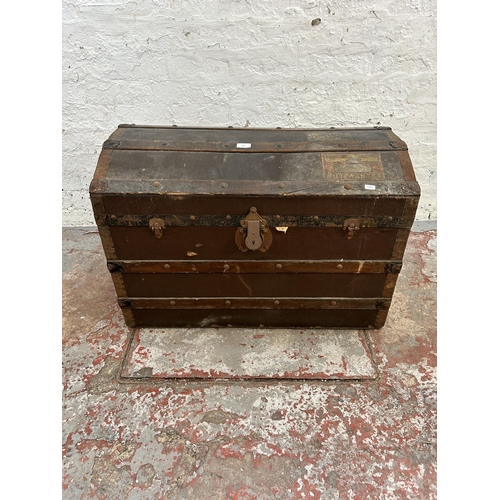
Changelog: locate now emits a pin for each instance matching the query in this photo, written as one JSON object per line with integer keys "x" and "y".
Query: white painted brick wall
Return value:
{"x": 258, "y": 63}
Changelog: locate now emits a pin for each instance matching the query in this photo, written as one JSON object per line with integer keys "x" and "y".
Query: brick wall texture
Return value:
{"x": 255, "y": 63}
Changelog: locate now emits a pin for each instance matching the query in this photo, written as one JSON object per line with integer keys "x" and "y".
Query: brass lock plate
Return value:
{"x": 253, "y": 233}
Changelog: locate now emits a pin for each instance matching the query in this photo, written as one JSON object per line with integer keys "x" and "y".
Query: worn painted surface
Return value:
{"x": 248, "y": 353}
{"x": 126, "y": 439}
{"x": 313, "y": 63}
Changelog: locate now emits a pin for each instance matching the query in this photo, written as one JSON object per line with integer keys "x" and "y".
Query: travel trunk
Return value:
{"x": 222, "y": 227}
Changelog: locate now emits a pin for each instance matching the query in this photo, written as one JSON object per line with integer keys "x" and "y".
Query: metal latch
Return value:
{"x": 253, "y": 233}
{"x": 351, "y": 226}
{"x": 157, "y": 226}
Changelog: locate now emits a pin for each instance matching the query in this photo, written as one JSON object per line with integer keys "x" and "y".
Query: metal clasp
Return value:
{"x": 351, "y": 226}
{"x": 157, "y": 226}
{"x": 253, "y": 233}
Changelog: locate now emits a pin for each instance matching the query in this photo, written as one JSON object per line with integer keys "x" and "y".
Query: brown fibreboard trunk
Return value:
{"x": 254, "y": 227}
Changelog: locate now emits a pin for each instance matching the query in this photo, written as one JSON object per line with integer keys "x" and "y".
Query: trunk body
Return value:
{"x": 254, "y": 227}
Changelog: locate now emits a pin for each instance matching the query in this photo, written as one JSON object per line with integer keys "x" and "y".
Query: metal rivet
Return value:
{"x": 223, "y": 185}
{"x": 230, "y": 126}
{"x": 192, "y": 217}
{"x": 167, "y": 266}
{"x": 278, "y": 266}
{"x": 175, "y": 126}
{"x": 228, "y": 302}
{"x": 228, "y": 217}
{"x": 113, "y": 217}
{"x": 172, "y": 302}
{"x": 164, "y": 143}
{"x": 390, "y": 217}
{"x": 278, "y": 128}
{"x": 347, "y": 186}
{"x": 281, "y": 185}
{"x": 339, "y": 266}
{"x": 226, "y": 266}
{"x": 276, "y": 302}
{"x": 156, "y": 184}
{"x": 315, "y": 217}
{"x": 227, "y": 145}
{"x": 278, "y": 216}
{"x": 333, "y": 303}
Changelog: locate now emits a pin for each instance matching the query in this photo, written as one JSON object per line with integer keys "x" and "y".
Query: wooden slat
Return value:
{"x": 119, "y": 284}
{"x": 256, "y": 303}
{"x": 98, "y": 208}
{"x": 101, "y": 170}
{"x": 107, "y": 242}
{"x": 117, "y": 134}
{"x": 411, "y": 207}
{"x": 259, "y": 147}
{"x": 250, "y": 266}
{"x": 410, "y": 210}
{"x": 282, "y": 129}
{"x": 249, "y": 188}
{"x": 390, "y": 284}
{"x": 128, "y": 316}
{"x": 406, "y": 166}
{"x": 381, "y": 319}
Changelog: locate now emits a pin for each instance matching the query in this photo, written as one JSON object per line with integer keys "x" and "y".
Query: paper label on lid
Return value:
{"x": 369, "y": 186}
{"x": 244, "y": 145}
{"x": 357, "y": 166}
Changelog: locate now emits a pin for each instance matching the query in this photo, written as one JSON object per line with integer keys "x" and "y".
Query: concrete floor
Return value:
{"x": 246, "y": 439}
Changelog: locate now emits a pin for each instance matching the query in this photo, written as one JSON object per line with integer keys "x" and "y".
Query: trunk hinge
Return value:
{"x": 157, "y": 226}
{"x": 351, "y": 226}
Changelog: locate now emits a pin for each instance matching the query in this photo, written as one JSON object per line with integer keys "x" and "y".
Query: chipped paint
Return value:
{"x": 249, "y": 353}
{"x": 273, "y": 439}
